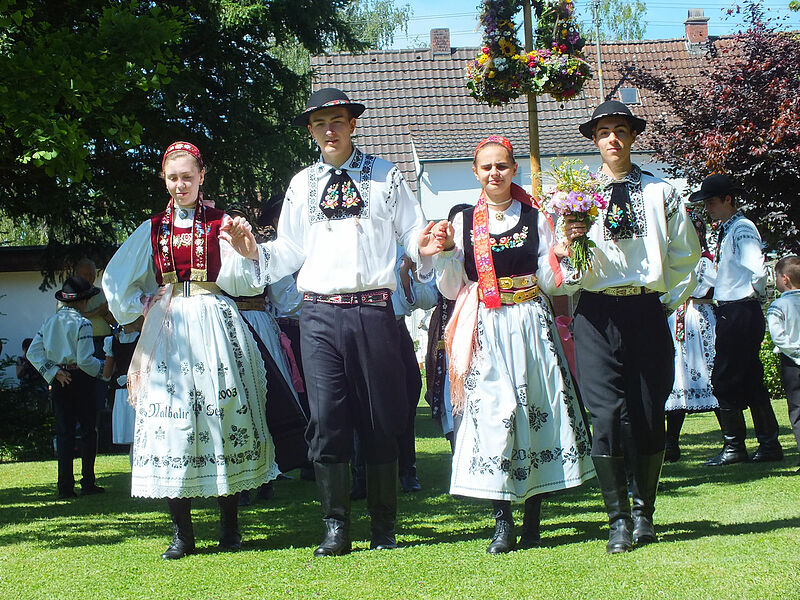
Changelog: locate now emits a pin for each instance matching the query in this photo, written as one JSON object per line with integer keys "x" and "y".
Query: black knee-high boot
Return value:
{"x": 229, "y": 537}
{"x": 180, "y": 509}
{"x": 734, "y": 429}
{"x": 530, "y": 537}
{"x": 646, "y": 473}
{"x": 672, "y": 448}
{"x": 766, "y": 428}
{"x": 504, "y": 538}
{"x": 333, "y": 482}
{"x": 614, "y": 487}
{"x": 382, "y": 504}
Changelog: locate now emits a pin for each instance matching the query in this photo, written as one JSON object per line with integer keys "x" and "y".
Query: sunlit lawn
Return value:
{"x": 729, "y": 532}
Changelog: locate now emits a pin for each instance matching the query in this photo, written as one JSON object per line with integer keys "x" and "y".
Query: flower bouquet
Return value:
{"x": 576, "y": 192}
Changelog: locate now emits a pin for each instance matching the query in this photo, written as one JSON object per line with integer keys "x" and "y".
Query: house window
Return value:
{"x": 629, "y": 95}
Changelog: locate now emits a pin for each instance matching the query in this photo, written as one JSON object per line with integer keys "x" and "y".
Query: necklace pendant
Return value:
{"x": 183, "y": 213}
{"x": 500, "y": 216}
{"x": 328, "y": 223}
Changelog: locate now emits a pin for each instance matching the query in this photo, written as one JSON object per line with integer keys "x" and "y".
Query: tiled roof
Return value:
{"x": 414, "y": 97}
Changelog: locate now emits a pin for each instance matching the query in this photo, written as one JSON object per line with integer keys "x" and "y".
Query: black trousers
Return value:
{"x": 406, "y": 441}
{"x": 625, "y": 365}
{"x": 790, "y": 375}
{"x": 353, "y": 369}
{"x": 75, "y": 403}
{"x": 738, "y": 375}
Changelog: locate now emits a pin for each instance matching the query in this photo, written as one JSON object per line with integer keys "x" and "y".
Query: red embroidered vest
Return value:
{"x": 181, "y": 246}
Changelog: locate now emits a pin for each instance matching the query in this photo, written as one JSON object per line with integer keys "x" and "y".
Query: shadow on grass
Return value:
{"x": 292, "y": 518}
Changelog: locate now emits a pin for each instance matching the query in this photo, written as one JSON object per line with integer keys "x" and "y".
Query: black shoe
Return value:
{"x": 230, "y": 540}
{"x": 769, "y": 454}
{"x": 531, "y": 537}
{"x": 266, "y": 492}
{"x": 332, "y": 482}
{"x": 183, "y": 539}
{"x": 409, "y": 483}
{"x": 672, "y": 454}
{"x": 503, "y": 540}
{"x": 91, "y": 490}
{"x": 179, "y": 547}
{"x": 67, "y": 494}
{"x": 382, "y": 504}
{"x": 614, "y": 487}
{"x": 337, "y": 539}
{"x": 733, "y": 428}
{"x": 766, "y": 429}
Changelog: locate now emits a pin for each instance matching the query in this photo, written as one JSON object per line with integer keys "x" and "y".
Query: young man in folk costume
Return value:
{"x": 339, "y": 222}
{"x": 738, "y": 375}
{"x": 62, "y": 352}
{"x": 646, "y": 250}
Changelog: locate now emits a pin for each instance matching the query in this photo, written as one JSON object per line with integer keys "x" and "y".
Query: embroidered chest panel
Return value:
{"x": 638, "y": 220}
{"x": 315, "y": 213}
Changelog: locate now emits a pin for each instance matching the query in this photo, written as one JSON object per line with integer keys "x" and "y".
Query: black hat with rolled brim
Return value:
{"x": 327, "y": 98}
{"x": 74, "y": 289}
{"x": 719, "y": 185}
{"x": 611, "y": 108}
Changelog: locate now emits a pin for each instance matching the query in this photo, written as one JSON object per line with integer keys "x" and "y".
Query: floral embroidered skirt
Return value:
{"x": 200, "y": 419}
{"x": 694, "y": 359}
{"x": 522, "y": 431}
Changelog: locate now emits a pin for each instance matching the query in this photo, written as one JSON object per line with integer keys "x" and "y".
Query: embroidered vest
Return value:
{"x": 182, "y": 247}
{"x": 514, "y": 252}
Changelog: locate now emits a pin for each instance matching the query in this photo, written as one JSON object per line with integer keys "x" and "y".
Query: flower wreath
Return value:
{"x": 503, "y": 70}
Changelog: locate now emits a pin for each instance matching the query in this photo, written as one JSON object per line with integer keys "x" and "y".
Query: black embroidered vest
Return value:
{"x": 514, "y": 252}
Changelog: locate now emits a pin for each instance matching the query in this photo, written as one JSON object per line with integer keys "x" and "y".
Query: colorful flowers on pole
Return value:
{"x": 503, "y": 70}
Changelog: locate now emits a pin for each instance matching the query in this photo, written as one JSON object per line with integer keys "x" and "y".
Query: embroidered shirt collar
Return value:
{"x": 353, "y": 163}
{"x": 727, "y": 225}
{"x": 790, "y": 293}
{"x": 634, "y": 177}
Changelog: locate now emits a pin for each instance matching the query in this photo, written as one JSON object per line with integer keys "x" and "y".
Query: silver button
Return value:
{"x": 338, "y": 171}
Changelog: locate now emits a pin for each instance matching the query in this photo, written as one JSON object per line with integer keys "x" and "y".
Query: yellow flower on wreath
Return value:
{"x": 490, "y": 74}
{"x": 506, "y": 47}
{"x": 483, "y": 59}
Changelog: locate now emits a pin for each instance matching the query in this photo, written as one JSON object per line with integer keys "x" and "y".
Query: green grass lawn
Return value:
{"x": 729, "y": 532}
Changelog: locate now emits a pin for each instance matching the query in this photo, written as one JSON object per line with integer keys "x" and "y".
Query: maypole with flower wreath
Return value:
{"x": 503, "y": 71}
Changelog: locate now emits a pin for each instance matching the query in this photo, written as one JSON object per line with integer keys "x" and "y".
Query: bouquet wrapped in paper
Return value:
{"x": 576, "y": 192}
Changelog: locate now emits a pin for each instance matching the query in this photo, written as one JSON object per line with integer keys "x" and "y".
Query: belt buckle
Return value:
{"x": 505, "y": 283}
{"x": 521, "y": 296}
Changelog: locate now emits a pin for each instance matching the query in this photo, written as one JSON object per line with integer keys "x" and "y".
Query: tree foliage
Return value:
{"x": 376, "y": 22}
{"x": 92, "y": 91}
{"x": 619, "y": 19}
{"x": 742, "y": 118}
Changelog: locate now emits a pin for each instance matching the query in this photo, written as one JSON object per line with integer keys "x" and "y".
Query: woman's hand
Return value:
{"x": 431, "y": 241}
{"x": 238, "y": 233}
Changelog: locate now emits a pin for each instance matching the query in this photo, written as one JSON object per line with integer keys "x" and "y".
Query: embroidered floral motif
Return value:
{"x": 238, "y": 436}
{"x": 162, "y": 367}
{"x": 507, "y": 242}
{"x": 171, "y": 389}
{"x": 242, "y": 410}
{"x": 190, "y": 437}
{"x": 221, "y": 371}
{"x": 536, "y": 418}
{"x": 196, "y": 401}
{"x": 185, "y": 367}
{"x": 199, "y": 368}
{"x": 159, "y": 433}
{"x": 204, "y": 437}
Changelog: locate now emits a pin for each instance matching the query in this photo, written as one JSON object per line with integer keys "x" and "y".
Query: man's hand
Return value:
{"x": 63, "y": 377}
{"x": 238, "y": 233}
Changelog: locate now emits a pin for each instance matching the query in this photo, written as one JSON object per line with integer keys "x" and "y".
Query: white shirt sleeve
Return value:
{"x": 129, "y": 274}
{"x": 284, "y": 255}
{"x": 683, "y": 253}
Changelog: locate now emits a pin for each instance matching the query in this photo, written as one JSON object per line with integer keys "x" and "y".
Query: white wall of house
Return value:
{"x": 443, "y": 184}
{"x": 23, "y": 309}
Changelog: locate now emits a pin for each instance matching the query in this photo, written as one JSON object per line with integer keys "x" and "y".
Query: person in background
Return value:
{"x": 738, "y": 375}
{"x": 31, "y": 380}
{"x": 63, "y": 353}
{"x": 437, "y": 391}
{"x": 692, "y": 328}
{"x": 783, "y": 317}
{"x": 118, "y": 349}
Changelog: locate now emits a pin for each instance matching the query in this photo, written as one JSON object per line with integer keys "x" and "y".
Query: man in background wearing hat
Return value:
{"x": 340, "y": 221}
{"x": 643, "y": 267}
{"x": 738, "y": 375}
{"x": 62, "y": 351}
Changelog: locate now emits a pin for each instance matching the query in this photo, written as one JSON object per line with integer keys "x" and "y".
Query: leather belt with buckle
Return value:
{"x": 195, "y": 288}
{"x": 254, "y": 303}
{"x": 626, "y": 290}
{"x": 374, "y": 297}
{"x": 514, "y": 283}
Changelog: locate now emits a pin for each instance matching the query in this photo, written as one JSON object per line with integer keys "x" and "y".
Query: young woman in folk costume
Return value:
{"x": 692, "y": 327}
{"x": 196, "y": 379}
{"x": 522, "y": 432}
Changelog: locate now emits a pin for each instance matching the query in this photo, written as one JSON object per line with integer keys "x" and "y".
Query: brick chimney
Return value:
{"x": 696, "y": 26}
{"x": 440, "y": 41}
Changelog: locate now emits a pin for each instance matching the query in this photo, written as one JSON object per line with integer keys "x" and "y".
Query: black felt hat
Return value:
{"x": 611, "y": 108}
{"x": 326, "y": 98}
{"x": 270, "y": 210}
{"x": 74, "y": 289}
{"x": 719, "y": 185}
